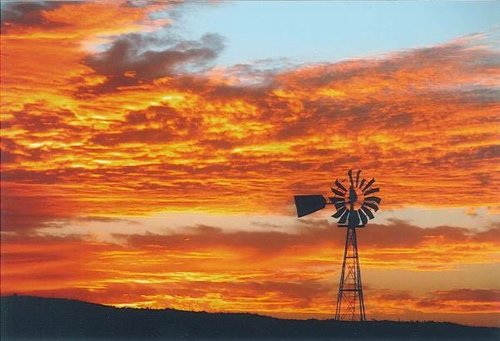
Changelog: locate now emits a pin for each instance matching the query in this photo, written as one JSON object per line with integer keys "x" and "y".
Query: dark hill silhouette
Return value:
{"x": 37, "y": 318}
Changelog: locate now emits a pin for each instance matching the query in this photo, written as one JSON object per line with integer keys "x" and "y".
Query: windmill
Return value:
{"x": 354, "y": 203}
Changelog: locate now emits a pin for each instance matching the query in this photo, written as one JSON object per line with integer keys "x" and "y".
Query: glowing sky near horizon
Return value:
{"x": 151, "y": 151}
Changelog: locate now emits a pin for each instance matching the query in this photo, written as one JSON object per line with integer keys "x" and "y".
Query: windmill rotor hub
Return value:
{"x": 357, "y": 200}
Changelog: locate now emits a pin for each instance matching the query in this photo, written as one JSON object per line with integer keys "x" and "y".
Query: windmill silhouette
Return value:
{"x": 354, "y": 204}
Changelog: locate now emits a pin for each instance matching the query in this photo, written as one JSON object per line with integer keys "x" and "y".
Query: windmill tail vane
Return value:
{"x": 354, "y": 201}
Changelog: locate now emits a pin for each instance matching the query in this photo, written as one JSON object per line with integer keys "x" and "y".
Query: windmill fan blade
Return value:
{"x": 344, "y": 217}
{"x": 371, "y": 205}
{"x": 368, "y": 212}
{"x": 338, "y": 202}
{"x": 373, "y": 190}
{"x": 357, "y": 177}
{"x": 339, "y": 205}
{"x": 339, "y": 185}
{"x": 364, "y": 219}
{"x": 375, "y": 199}
{"x": 362, "y": 183}
{"x": 368, "y": 184}
{"x": 339, "y": 212}
{"x": 353, "y": 219}
{"x": 339, "y": 193}
{"x": 307, "y": 204}
{"x": 350, "y": 177}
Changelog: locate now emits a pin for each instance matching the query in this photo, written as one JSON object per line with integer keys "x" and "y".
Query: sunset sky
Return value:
{"x": 151, "y": 151}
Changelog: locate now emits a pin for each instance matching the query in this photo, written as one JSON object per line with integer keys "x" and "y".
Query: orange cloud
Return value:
{"x": 224, "y": 145}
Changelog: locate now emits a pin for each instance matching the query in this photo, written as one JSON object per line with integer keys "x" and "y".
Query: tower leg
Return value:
{"x": 350, "y": 303}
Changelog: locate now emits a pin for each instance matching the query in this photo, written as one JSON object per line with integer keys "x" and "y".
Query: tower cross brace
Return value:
{"x": 350, "y": 303}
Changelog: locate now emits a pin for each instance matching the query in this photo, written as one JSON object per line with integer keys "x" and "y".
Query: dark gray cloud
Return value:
{"x": 28, "y": 13}
{"x": 134, "y": 59}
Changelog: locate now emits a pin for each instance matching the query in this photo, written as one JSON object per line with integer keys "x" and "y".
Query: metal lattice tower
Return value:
{"x": 350, "y": 303}
{"x": 355, "y": 203}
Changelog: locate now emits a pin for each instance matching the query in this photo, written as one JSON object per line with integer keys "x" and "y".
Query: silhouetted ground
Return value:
{"x": 35, "y": 318}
